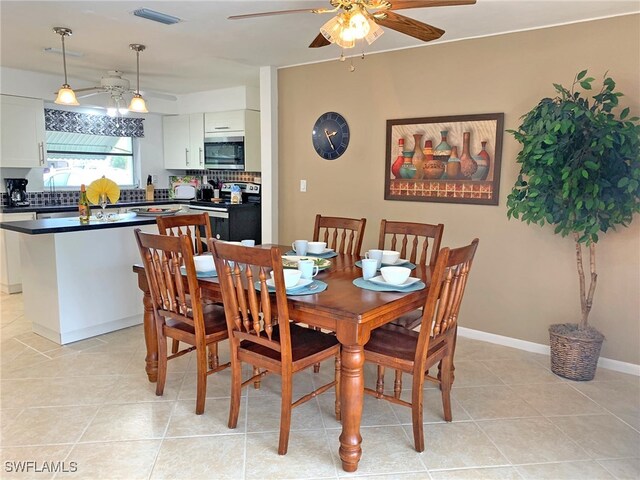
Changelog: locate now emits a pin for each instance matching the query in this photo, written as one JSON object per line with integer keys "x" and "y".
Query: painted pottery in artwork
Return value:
{"x": 433, "y": 169}
{"x": 418, "y": 156}
{"x": 482, "y": 159}
{"x": 453, "y": 165}
{"x": 442, "y": 151}
{"x": 468, "y": 165}
{"x": 407, "y": 170}
{"x": 395, "y": 167}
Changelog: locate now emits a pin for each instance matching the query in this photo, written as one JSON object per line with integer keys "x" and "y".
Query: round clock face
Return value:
{"x": 330, "y": 135}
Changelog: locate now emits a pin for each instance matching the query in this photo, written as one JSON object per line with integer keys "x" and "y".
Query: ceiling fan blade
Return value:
{"x": 88, "y": 89}
{"x": 410, "y": 27}
{"x": 279, "y": 12}
{"x": 319, "y": 41}
{"x": 162, "y": 96}
{"x": 400, "y": 5}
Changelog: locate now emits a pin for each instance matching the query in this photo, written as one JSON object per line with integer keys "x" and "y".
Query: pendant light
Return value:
{"x": 66, "y": 96}
{"x": 138, "y": 104}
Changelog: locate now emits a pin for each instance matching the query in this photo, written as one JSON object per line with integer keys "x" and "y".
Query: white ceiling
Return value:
{"x": 207, "y": 51}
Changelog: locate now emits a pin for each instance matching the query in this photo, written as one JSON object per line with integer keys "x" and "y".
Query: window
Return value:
{"x": 77, "y": 158}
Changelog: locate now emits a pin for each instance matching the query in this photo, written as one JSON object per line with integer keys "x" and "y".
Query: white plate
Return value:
{"x": 303, "y": 282}
{"x": 325, "y": 251}
{"x": 400, "y": 261}
{"x": 291, "y": 261}
{"x": 380, "y": 281}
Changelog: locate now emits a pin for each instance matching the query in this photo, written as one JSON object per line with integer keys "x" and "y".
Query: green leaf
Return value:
{"x": 585, "y": 174}
{"x": 623, "y": 182}
{"x": 624, "y": 113}
{"x": 581, "y": 75}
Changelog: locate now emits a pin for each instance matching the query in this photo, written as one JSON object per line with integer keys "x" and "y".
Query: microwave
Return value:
{"x": 223, "y": 151}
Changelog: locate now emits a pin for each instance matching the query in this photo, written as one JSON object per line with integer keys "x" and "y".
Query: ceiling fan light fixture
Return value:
{"x": 358, "y": 26}
{"x": 66, "y": 96}
{"x": 138, "y": 104}
{"x": 375, "y": 32}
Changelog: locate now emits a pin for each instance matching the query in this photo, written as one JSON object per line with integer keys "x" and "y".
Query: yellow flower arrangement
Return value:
{"x": 103, "y": 186}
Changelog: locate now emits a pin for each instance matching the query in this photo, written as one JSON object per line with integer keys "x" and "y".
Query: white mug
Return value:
{"x": 300, "y": 247}
{"x": 375, "y": 255}
{"x": 248, "y": 243}
{"x": 369, "y": 268}
{"x": 308, "y": 268}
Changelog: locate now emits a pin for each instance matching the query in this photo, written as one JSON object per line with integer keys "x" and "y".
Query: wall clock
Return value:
{"x": 330, "y": 135}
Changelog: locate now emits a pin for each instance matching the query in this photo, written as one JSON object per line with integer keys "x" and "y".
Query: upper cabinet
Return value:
{"x": 22, "y": 132}
{"x": 238, "y": 123}
{"x": 183, "y": 139}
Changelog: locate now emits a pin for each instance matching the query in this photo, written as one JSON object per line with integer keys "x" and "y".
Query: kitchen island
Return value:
{"x": 76, "y": 278}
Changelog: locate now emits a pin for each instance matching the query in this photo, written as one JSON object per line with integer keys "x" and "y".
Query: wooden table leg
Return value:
{"x": 352, "y": 398}
{"x": 150, "y": 336}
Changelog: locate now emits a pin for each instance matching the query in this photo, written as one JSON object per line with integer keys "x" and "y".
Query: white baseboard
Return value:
{"x": 609, "y": 363}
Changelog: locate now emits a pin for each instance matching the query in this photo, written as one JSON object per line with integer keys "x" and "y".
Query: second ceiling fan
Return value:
{"x": 363, "y": 19}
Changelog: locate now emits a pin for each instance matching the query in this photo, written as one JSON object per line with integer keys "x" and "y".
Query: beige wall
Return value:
{"x": 524, "y": 277}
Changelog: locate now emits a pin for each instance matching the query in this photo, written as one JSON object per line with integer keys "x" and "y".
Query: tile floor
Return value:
{"x": 90, "y": 403}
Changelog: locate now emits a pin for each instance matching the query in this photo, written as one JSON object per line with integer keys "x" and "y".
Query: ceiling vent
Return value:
{"x": 156, "y": 16}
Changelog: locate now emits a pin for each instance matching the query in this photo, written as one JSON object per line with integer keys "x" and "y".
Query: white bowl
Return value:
{"x": 204, "y": 263}
{"x": 390, "y": 256}
{"x": 291, "y": 277}
{"x": 395, "y": 275}
{"x": 316, "y": 247}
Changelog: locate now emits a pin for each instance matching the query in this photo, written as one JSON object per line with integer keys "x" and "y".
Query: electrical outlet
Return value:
{"x": 154, "y": 179}
{"x": 303, "y": 185}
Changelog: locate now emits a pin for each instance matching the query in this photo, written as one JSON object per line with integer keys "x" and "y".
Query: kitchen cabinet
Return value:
{"x": 244, "y": 123}
{"x": 10, "y": 269}
{"x": 22, "y": 132}
{"x": 183, "y": 140}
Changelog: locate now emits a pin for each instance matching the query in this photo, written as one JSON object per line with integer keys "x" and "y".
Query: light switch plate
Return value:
{"x": 303, "y": 185}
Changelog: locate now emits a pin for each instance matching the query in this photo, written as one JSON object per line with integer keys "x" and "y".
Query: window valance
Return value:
{"x": 73, "y": 122}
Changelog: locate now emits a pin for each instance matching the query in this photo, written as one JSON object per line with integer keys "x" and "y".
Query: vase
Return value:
{"x": 468, "y": 165}
{"x": 482, "y": 159}
{"x": 395, "y": 168}
{"x": 418, "y": 156}
{"x": 407, "y": 170}
{"x": 442, "y": 151}
{"x": 453, "y": 165}
{"x": 433, "y": 169}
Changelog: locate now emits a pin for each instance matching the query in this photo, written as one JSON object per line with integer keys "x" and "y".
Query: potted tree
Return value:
{"x": 580, "y": 171}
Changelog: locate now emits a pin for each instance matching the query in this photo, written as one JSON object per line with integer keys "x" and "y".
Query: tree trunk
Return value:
{"x": 586, "y": 298}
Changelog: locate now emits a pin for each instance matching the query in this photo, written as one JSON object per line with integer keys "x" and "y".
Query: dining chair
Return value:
{"x": 344, "y": 235}
{"x": 193, "y": 226}
{"x": 414, "y": 352}
{"x": 416, "y": 242}
{"x": 177, "y": 307}
{"x": 260, "y": 332}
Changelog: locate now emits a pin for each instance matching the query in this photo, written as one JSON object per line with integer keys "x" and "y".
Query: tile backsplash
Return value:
{"x": 45, "y": 199}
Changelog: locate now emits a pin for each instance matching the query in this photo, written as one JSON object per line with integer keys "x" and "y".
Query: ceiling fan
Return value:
{"x": 117, "y": 86}
{"x": 358, "y": 19}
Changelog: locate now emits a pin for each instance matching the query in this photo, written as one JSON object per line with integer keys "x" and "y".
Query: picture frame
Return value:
{"x": 436, "y": 173}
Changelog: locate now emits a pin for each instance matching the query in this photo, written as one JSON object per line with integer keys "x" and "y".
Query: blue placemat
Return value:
{"x": 314, "y": 287}
{"x": 317, "y": 255}
{"x": 367, "y": 285}
{"x": 408, "y": 265}
{"x": 209, "y": 274}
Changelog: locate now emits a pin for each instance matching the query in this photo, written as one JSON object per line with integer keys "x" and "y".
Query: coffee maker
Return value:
{"x": 17, "y": 192}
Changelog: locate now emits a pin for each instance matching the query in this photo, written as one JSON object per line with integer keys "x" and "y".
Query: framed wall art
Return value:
{"x": 454, "y": 159}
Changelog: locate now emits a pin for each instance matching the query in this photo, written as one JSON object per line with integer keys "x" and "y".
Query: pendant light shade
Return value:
{"x": 138, "y": 104}
{"x": 347, "y": 27}
{"x": 66, "y": 96}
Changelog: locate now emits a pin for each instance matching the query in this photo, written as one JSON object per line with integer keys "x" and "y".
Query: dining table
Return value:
{"x": 344, "y": 308}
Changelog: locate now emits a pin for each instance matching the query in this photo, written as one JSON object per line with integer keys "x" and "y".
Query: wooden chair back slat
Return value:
{"x": 344, "y": 235}
{"x": 247, "y": 302}
{"x": 414, "y": 238}
{"x": 192, "y": 226}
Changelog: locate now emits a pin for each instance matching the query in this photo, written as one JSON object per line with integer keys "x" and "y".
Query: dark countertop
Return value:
{"x": 72, "y": 208}
{"x": 72, "y": 224}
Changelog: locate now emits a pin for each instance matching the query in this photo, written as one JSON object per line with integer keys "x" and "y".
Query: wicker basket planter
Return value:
{"x": 574, "y": 353}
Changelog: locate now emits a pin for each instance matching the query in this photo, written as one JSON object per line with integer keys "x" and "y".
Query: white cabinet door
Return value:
{"x": 224, "y": 121}
{"x": 22, "y": 132}
{"x": 196, "y": 140}
{"x": 183, "y": 140}
{"x": 10, "y": 270}
{"x": 176, "y": 141}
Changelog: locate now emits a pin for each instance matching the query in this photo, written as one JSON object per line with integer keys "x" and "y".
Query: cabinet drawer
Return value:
{"x": 224, "y": 121}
